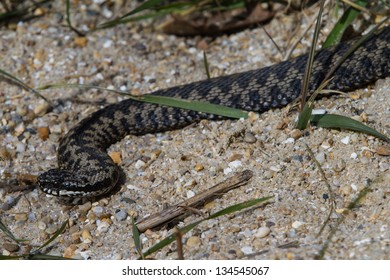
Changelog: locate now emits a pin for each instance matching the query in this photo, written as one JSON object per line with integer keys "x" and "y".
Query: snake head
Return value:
{"x": 59, "y": 182}
{"x": 80, "y": 183}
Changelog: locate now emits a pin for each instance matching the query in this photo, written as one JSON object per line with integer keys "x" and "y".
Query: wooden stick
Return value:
{"x": 185, "y": 207}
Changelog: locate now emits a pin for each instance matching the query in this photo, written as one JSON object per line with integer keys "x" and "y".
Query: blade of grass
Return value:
{"x": 206, "y": 65}
{"x": 198, "y": 106}
{"x": 136, "y": 237}
{"x": 342, "y": 122}
{"x": 51, "y": 239}
{"x": 145, "y": 6}
{"x": 68, "y": 21}
{"x": 22, "y": 84}
{"x": 342, "y": 24}
{"x": 309, "y": 65}
{"x": 184, "y": 230}
{"x": 7, "y": 232}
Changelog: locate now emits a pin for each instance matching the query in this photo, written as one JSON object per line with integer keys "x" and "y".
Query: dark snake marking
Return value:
{"x": 85, "y": 170}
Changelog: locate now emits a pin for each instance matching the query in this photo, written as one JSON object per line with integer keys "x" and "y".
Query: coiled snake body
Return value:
{"x": 85, "y": 169}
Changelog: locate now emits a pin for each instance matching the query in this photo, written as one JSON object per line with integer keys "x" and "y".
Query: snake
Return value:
{"x": 86, "y": 170}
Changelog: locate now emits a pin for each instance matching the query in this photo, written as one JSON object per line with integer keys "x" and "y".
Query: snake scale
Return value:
{"x": 85, "y": 169}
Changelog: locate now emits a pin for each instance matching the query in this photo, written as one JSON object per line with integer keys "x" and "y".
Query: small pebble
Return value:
{"x": 247, "y": 250}
{"x": 235, "y": 164}
{"x": 103, "y": 226}
{"x": 11, "y": 247}
{"x": 297, "y": 224}
{"x": 320, "y": 157}
{"x": 41, "y": 225}
{"x": 194, "y": 241}
{"x": 249, "y": 138}
{"x": 116, "y": 157}
{"x": 98, "y": 210}
{"x": 21, "y": 217}
{"x": 43, "y": 132}
{"x": 262, "y": 232}
{"x": 296, "y": 134}
{"x": 121, "y": 215}
{"x": 199, "y": 167}
{"x": 41, "y": 109}
{"x": 87, "y": 237}
{"x": 139, "y": 164}
{"x": 345, "y": 140}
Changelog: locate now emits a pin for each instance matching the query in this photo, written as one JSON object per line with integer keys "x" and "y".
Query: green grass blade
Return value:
{"x": 68, "y": 20}
{"x": 198, "y": 106}
{"x": 194, "y": 105}
{"x": 51, "y": 239}
{"x": 136, "y": 237}
{"x": 22, "y": 84}
{"x": 342, "y": 122}
{"x": 346, "y": 19}
{"x": 7, "y": 232}
{"x": 125, "y": 18}
{"x": 310, "y": 59}
{"x": 231, "y": 209}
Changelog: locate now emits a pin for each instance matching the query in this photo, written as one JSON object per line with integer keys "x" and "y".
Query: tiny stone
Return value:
{"x": 41, "y": 225}
{"x": 345, "y": 190}
{"x": 345, "y": 140}
{"x": 43, "y": 132}
{"x": 383, "y": 150}
{"x": 98, "y": 210}
{"x": 320, "y": 157}
{"x": 199, "y": 167}
{"x": 85, "y": 207}
{"x": 41, "y": 109}
{"x": 235, "y": 164}
{"x": 86, "y": 235}
{"x": 81, "y": 41}
{"x": 296, "y": 134}
{"x": 139, "y": 164}
{"x": 194, "y": 241}
{"x": 262, "y": 232}
{"x": 339, "y": 166}
{"x": 116, "y": 157}
{"x": 121, "y": 215}
{"x": 297, "y": 224}
{"x": 103, "y": 226}
{"x": 354, "y": 155}
{"x": 11, "y": 247}
{"x": 249, "y": 138}
{"x": 19, "y": 129}
{"x": 247, "y": 250}
{"x": 21, "y": 217}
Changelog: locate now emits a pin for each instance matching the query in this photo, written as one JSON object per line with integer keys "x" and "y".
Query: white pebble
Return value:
{"x": 247, "y": 250}
{"x": 345, "y": 140}
{"x": 235, "y": 164}
{"x": 227, "y": 170}
{"x": 139, "y": 164}
{"x": 289, "y": 140}
{"x": 190, "y": 194}
{"x": 297, "y": 224}
{"x": 262, "y": 232}
{"x": 354, "y": 155}
{"x": 102, "y": 226}
{"x": 107, "y": 44}
{"x": 320, "y": 157}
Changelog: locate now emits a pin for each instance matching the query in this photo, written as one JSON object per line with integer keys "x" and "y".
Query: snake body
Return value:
{"x": 85, "y": 169}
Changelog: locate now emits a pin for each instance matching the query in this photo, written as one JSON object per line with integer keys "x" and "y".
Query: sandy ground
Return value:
{"x": 164, "y": 169}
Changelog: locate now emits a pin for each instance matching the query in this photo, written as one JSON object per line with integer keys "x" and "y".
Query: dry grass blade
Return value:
{"x": 309, "y": 65}
{"x": 181, "y": 208}
{"x": 231, "y": 209}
